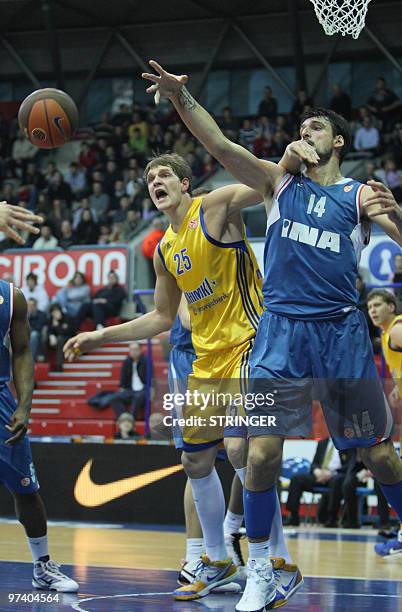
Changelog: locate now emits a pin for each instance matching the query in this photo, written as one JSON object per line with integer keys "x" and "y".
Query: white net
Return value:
{"x": 341, "y": 16}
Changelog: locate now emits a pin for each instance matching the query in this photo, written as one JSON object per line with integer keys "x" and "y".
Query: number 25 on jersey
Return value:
{"x": 183, "y": 262}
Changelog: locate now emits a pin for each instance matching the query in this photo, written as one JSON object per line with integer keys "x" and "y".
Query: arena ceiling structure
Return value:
{"x": 63, "y": 40}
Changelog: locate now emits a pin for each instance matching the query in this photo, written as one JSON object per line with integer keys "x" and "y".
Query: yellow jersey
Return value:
{"x": 221, "y": 281}
{"x": 393, "y": 356}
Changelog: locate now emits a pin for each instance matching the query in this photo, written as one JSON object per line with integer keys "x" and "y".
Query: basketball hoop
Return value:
{"x": 341, "y": 16}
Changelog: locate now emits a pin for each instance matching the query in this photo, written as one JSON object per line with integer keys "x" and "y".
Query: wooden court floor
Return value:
{"x": 119, "y": 560}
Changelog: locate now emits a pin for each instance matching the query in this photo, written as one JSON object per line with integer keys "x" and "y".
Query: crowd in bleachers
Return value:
{"x": 101, "y": 197}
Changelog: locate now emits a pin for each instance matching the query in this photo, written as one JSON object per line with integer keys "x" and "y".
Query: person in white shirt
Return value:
{"x": 46, "y": 240}
{"x": 32, "y": 290}
{"x": 367, "y": 137}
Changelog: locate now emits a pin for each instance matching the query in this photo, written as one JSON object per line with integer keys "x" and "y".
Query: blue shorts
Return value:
{"x": 180, "y": 367}
{"x": 17, "y": 471}
{"x": 293, "y": 361}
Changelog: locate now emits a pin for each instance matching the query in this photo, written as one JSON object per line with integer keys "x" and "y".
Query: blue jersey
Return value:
{"x": 6, "y": 313}
{"x": 180, "y": 337}
{"x": 313, "y": 246}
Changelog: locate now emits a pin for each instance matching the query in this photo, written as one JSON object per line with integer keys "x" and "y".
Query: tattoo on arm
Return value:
{"x": 186, "y": 100}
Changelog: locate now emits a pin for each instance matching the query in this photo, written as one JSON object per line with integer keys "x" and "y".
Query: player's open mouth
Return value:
{"x": 160, "y": 194}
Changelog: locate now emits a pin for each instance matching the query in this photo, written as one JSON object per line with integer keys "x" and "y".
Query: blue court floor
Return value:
{"x": 109, "y": 589}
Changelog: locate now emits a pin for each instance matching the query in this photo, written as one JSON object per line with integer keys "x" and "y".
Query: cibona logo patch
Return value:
{"x": 25, "y": 482}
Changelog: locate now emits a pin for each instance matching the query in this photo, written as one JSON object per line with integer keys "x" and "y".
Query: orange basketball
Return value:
{"x": 48, "y": 118}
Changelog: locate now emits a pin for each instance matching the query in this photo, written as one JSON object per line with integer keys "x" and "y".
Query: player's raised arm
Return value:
{"x": 243, "y": 165}
{"x": 22, "y": 368}
{"x": 167, "y": 298}
{"x": 379, "y": 206}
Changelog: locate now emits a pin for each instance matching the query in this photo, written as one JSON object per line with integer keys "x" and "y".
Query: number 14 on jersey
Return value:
{"x": 317, "y": 208}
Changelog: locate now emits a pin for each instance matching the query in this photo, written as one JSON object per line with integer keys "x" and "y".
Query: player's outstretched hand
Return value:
{"x": 165, "y": 84}
{"x": 304, "y": 151}
{"x": 82, "y": 343}
{"x": 17, "y": 217}
{"x": 18, "y": 426}
{"x": 381, "y": 202}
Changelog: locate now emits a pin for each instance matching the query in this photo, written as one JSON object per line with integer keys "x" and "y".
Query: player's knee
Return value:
{"x": 196, "y": 465}
{"x": 383, "y": 461}
{"x": 236, "y": 449}
{"x": 263, "y": 463}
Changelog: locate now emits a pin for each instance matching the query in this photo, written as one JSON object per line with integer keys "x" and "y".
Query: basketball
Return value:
{"x": 48, "y": 117}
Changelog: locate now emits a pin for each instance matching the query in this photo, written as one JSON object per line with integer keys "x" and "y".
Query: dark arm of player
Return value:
{"x": 167, "y": 297}
{"x": 22, "y": 368}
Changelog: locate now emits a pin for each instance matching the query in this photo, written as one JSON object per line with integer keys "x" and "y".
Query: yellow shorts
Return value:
{"x": 215, "y": 390}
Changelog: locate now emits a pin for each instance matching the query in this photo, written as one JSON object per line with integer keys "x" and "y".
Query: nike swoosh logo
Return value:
{"x": 57, "y": 122}
{"x": 287, "y": 587}
{"x": 89, "y": 494}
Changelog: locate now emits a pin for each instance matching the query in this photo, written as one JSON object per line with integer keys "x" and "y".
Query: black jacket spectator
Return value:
{"x": 126, "y": 373}
{"x": 106, "y": 303}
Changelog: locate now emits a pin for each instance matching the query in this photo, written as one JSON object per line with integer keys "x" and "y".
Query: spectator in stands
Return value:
{"x": 59, "y": 329}
{"x": 32, "y": 177}
{"x": 67, "y": 235}
{"x": 46, "y": 240}
{"x": 112, "y": 175}
{"x": 392, "y": 178}
{"x": 32, "y": 289}
{"x": 384, "y": 104}
{"x": 88, "y": 156}
{"x": 279, "y": 143}
{"x": 229, "y": 124}
{"x": 135, "y": 185}
{"x": 23, "y": 150}
{"x": 123, "y": 116}
{"x": 133, "y": 377}
{"x": 168, "y": 142}
{"x": 8, "y": 193}
{"x": 120, "y": 215}
{"x": 59, "y": 189}
{"x": 367, "y": 137}
{"x": 99, "y": 200}
{"x": 87, "y": 231}
{"x": 125, "y": 427}
{"x": 85, "y": 204}
{"x": 184, "y": 144}
{"x": 118, "y": 192}
{"x": 106, "y": 303}
{"x": 105, "y": 234}
{"x": 148, "y": 209}
{"x": 139, "y": 144}
{"x": 59, "y": 212}
{"x": 341, "y": 102}
{"x": 75, "y": 178}
{"x": 370, "y": 171}
{"x": 37, "y": 322}
{"x": 76, "y": 293}
{"x": 299, "y": 105}
{"x": 155, "y": 139}
{"x": 131, "y": 226}
{"x": 247, "y": 134}
{"x": 327, "y": 469}
{"x": 268, "y": 107}
{"x": 138, "y": 123}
